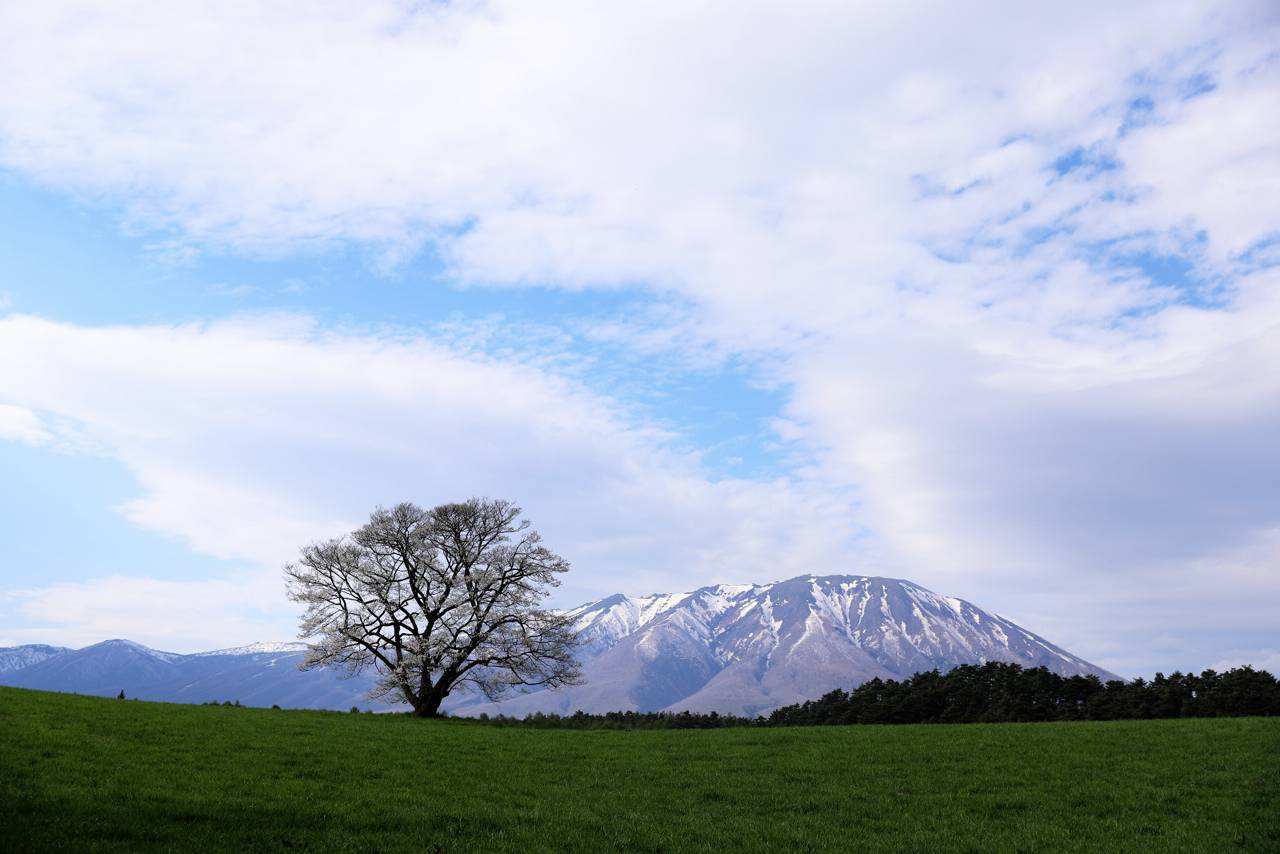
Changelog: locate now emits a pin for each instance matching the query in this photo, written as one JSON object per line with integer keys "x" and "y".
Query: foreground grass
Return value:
{"x": 82, "y": 773}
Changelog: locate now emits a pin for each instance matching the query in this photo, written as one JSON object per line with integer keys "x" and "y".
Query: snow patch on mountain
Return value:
{"x": 135, "y": 647}
{"x": 748, "y": 648}
{"x": 259, "y": 648}
{"x": 17, "y": 657}
{"x": 733, "y": 648}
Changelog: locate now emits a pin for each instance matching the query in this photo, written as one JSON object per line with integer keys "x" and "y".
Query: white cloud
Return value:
{"x": 1208, "y": 162}
{"x": 582, "y": 144}
{"x": 252, "y": 437}
{"x": 237, "y": 292}
{"x": 864, "y": 193}
{"x": 177, "y": 616}
{"x": 1258, "y": 659}
{"x": 22, "y": 425}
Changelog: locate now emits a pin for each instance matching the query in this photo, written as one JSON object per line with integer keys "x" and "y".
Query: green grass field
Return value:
{"x": 81, "y": 773}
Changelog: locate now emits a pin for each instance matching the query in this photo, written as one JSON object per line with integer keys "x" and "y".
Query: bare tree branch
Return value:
{"x": 434, "y": 599}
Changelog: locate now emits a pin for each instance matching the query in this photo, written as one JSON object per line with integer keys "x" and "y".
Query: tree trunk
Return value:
{"x": 428, "y": 705}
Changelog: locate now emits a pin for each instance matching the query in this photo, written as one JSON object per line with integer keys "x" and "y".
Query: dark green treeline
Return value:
{"x": 987, "y": 693}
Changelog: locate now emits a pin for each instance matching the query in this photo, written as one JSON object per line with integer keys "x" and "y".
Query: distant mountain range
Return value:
{"x": 257, "y": 675}
{"x": 747, "y": 649}
{"x": 18, "y": 657}
{"x": 740, "y": 649}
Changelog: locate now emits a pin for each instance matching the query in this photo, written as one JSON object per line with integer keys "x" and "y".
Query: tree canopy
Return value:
{"x": 437, "y": 599}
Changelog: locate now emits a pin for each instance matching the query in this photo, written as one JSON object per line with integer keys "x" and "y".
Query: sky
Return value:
{"x": 983, "y": 295}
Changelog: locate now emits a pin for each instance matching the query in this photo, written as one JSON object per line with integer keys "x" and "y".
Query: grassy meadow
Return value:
{"x": 81, "y": 773}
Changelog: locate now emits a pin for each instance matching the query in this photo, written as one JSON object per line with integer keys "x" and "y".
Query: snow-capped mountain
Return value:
{"x": 742, "y": 649}
{"x": 18, "y": 657}
{"x": 747, "y": 649}
{"x": 259, "y": 648}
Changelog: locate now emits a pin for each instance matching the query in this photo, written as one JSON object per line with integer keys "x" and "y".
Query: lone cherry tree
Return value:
{"x": 436, "y": 599}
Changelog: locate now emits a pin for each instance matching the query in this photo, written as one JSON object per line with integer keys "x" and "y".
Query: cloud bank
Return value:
{"x": 1014, "y": 266}
{"x": 254, "y": 436}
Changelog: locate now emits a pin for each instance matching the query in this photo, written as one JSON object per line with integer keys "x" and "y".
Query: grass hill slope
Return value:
{"x": 84, "y": 773}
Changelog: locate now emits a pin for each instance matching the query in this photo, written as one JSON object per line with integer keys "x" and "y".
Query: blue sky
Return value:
{"x": 67, "y": 257}
{"x": 718, "y": 295}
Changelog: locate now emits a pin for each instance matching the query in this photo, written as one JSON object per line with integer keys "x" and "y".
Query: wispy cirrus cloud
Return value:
{"x": 178, "y": 615}
{"x": 22, "y": 425}
{"x": 252, "y": 437}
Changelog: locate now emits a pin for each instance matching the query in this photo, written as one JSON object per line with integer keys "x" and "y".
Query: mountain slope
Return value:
{"x": 747, "y": 649}
{"x": 17, "y": 657}
{"x": 100, "y": 669}
{"x": 256, "y": 675}
{"x": 741, "y": 649}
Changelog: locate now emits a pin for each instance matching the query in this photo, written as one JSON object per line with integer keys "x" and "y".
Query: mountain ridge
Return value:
{"x": 732, "y": 648}
{"x": 748, "y": 648}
